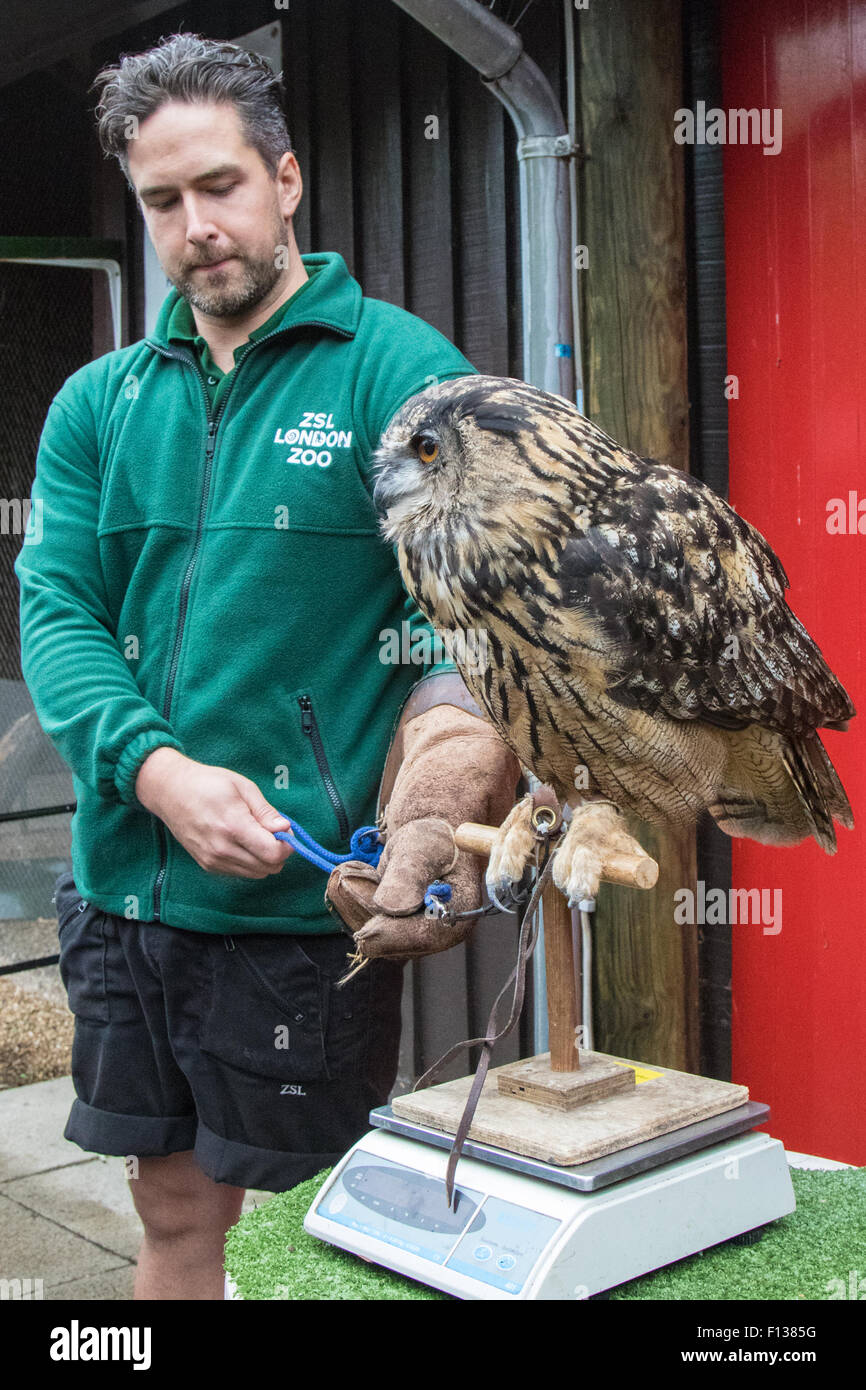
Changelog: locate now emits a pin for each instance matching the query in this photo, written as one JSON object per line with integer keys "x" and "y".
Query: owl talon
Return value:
{"x": 506, "y": 897}
{"x": 510, "y": 855}
{"x": 495, "y": 898}
{"x": 578, "y": 876}
{"x": 596, "y": 829}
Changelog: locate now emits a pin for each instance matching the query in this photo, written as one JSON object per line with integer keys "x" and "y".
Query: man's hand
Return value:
{"x": 219, "y": 816}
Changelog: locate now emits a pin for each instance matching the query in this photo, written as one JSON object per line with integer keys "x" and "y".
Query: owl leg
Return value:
{"x": 510, "y": 854}
{"x": 596, "y": 831}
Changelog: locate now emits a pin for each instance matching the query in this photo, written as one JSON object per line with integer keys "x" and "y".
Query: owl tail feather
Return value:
{"x": 779, "y": 790}
{"x": 818, "y": 788}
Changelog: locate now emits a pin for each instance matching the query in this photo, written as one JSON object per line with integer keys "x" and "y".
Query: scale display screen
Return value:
{"x": 485, "y": 1238}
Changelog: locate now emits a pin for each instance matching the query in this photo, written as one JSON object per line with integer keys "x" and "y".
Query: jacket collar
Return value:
{"x": 332, "y": 300}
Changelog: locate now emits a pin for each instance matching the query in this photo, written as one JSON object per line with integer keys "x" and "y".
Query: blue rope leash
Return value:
{"x": 364, "y": 846}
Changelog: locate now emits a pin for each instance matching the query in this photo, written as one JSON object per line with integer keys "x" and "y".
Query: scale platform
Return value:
{"x": 599, "y": 1172}
{"x": 526, "y": 1229}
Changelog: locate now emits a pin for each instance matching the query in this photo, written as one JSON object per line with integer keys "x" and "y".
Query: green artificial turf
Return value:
{"x": 798, "y": 1257}
{"x": 269, "y": 1255}
{"x": 810, "y": 1254}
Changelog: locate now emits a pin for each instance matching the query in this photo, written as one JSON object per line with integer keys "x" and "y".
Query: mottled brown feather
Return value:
{"x": 636, "y": 626}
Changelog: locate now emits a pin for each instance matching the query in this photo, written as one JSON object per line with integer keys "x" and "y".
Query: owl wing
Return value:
{"x": 686, "y": 604}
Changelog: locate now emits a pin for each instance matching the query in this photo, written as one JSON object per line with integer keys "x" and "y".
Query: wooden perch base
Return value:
{"x": 532, "y": 1080}
{"x": 656, "y": 1101}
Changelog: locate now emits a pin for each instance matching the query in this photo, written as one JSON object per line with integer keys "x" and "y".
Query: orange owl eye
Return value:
{"x": 427, "y": 449}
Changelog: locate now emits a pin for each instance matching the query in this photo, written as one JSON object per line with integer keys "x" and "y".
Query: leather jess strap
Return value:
{"x": 526, "y": 945}
{"x": 448, "y": 688}
{"x": 542, "y": 799}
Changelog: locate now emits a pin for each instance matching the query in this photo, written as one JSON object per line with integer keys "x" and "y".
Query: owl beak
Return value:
{"x": 381, "y": 497}
{"x": 392, "y": 485}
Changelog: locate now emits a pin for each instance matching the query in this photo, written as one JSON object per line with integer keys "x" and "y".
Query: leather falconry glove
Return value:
{"x": 451, "y": 766}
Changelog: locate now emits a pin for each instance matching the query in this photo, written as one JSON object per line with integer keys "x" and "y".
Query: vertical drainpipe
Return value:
{"x": 544, "y": 151}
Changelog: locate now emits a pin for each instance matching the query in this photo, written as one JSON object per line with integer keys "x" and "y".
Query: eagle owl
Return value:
{"x": 637, "y": 642}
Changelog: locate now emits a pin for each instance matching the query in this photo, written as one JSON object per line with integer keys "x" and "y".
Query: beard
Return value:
{"x": 221, "y": 294}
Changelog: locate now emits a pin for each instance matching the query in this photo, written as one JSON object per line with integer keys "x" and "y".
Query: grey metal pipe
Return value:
{"x": 471, "y": 31}
{"x": 544, "y": 149}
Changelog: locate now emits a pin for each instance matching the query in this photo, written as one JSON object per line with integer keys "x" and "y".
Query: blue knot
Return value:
{"x": 442, "y": 891}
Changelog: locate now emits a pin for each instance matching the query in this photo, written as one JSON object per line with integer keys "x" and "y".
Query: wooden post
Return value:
{"x": 636, "y": 870}
{"x": 562, "y": 1011}
{"x": 635, "y": 333}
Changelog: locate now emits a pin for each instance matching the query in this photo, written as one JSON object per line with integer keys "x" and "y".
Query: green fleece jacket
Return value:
{"x": 214, "y": 580}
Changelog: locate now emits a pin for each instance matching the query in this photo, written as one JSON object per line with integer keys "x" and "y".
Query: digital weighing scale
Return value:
{"x": 584, "y": 1170}
{"x": 523, "y": 1229}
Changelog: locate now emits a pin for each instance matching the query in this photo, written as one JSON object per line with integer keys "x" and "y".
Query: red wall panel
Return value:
{"x": 795, "y": 254}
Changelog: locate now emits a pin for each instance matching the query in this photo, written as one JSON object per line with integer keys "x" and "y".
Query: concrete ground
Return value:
{"x": 66, "y": 1216}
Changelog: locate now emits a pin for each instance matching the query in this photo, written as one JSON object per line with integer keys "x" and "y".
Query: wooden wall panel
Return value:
{"x": 632, "y": 216}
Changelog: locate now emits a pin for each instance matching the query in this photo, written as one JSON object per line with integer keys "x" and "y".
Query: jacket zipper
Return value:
{"x": 310, "y": 728}
{"x": 190, "y": 359}
{"x": 184, "y": 598}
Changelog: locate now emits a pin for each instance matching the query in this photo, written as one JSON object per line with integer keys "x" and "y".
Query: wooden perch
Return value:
{"x": 632, "y": 870}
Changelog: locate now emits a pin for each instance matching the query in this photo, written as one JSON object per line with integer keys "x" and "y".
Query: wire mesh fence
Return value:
{"x": 46, "y": 333}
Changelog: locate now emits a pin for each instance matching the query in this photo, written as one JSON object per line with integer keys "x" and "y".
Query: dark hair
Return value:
{"x": 187, "y": 67}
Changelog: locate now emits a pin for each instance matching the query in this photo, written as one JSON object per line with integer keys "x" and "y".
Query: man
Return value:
{"x": 202, "y": 631}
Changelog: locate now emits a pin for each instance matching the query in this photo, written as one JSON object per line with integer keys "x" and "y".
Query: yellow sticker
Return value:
{"x": 640, "y": 1073}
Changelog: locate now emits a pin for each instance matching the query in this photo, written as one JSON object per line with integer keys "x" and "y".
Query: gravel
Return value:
{"x": 36, "y": 1026}
{"x": 35, "y": 1037}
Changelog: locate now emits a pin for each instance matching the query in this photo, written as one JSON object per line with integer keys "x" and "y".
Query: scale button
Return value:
{"x": 506, "y": 1262}
{"x": 483, "y": 1252}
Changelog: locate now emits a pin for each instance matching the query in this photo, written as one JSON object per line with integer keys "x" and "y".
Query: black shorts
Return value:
{"x": 240, "y": 1048}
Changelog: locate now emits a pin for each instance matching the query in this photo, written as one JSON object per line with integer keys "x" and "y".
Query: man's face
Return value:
{"x": 214, "y": 214}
